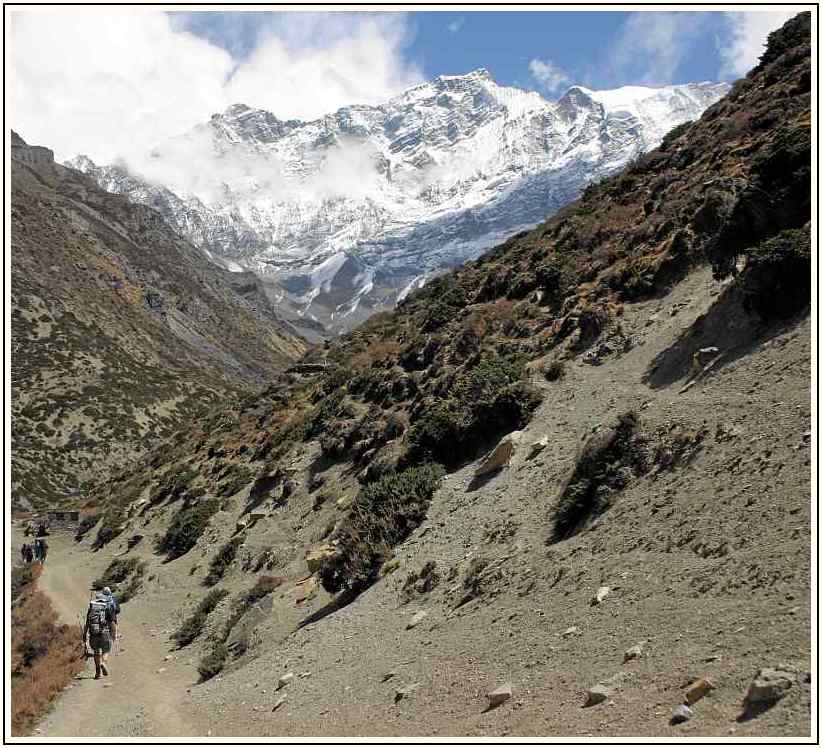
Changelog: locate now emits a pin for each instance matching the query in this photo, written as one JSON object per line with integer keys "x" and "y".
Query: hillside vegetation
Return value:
{"x": 436, "y": 381}
{"x": 121, "y": 331}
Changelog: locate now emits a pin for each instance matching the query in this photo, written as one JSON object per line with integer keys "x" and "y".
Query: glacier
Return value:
{"x": 345, "y": 215}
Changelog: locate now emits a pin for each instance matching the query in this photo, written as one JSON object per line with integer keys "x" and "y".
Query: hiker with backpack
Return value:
{"x": 114, "y": 610}
{"x": 97, "y": 633}
{"x": 44, "y": 551}
{"x": 37, "y": 549}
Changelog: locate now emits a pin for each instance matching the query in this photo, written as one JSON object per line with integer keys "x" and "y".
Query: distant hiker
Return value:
{"x": 44, "y": 551}
{"x": 97, "y": 633}
{"x": 37, "y": 549}
{"x": 23, "y": 551}
{"x": 29, "y": 553}
{"x": 113, "y": 609}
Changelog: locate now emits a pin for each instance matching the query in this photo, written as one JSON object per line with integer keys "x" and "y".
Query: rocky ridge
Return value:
{"x": 351, "y": 212}
{"x": 121, "y": 330}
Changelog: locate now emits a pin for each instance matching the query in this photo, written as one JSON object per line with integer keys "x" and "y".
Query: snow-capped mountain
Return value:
{"x": 350, "y": 212}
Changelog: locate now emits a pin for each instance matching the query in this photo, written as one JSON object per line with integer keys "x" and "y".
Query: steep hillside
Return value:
{"x": 121, "y": 331}
{"x": 352, "y": 211}
{"x": 594, "y": 439}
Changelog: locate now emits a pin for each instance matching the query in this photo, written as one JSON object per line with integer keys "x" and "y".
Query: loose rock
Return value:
{"x": 601, "y": 594}
{"x": 769, "y": 686}
{"x": 572, "y": 631}
{"x": 278, "y": 703}
{"x": 633, "y": 652}
{"x": 597, "y": 694}
{"x": 681, "y": 714}
{"x": 416, "y": 619}
{"x": 285, "y": 680}
{"x": 697, "y": 690}
{"x": 499, "y": 695}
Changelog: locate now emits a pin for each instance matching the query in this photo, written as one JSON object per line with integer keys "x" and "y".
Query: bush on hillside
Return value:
{"x": 213, "y": 662}
{"x": 484, "y": 402}
{"x": 222, "y": 560}
{"x": 607, "y": 462}
{"x": 86, "y": 524}
{"x": 384, "y": 514}
{"x": 776, "y": 282}
{"x": 193, "y": 626}
{"x": 186, "y": 528}
{"x": 264, "y": 585}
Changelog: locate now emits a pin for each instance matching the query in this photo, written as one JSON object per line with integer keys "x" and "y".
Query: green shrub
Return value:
{"x": 222, "y": 560}
{"x": 488, "y": 400}
{"x": 21, "y": 577}
{"x": 554, "y": 371}
{"x": 606, "y": 464}
{"x": 213, "y": 662}
{"x": 116, "y": 573}
{"x": 193, "y": 626}
{"x": 265, "y": 585}
{"x": 110, "y": 526}
{"x": 123, "y": 576}
{"x": 186, "y": 528}
{"x": 86, "y": 524}
{"x": 776, "y": 282}
{"x": 445, "y": 300}
{"x": 383, "y": 515}
{"x": 675, "y": 134}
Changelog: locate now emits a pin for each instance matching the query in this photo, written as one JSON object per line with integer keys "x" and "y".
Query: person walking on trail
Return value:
{"x": 44, "y": 551}
{"x": 114, "y": 611}
{"x": 97, "y": 633}
{"x": 37, "y": 549}
{"x": 29, "y": 553}
{"x": 24, "y": 551}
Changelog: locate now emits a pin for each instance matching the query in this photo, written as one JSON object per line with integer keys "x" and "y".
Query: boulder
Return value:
{"x": 681, "y": 714}
{"x": 305, "y": 590}
{"x": 499, "y": 695}
{"x": 317, "y": 556}
{"x": 600, "y": 595}
{"x": 597, "y": 694}
{"x": 278, "y": 703}
{"x": 537, "y": 447}
{"x": 416, "y": 619}
{"x": 769, "y": 686}
{"x": 500, "y": 456}
{"x": 633, "y": 652}
{"x": 697, "y": 690}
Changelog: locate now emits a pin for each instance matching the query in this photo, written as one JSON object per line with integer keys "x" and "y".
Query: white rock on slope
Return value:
{"x": 353, "y": 210}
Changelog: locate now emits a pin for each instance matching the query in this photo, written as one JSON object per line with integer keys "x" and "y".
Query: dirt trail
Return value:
{"x": 135, "y": 700}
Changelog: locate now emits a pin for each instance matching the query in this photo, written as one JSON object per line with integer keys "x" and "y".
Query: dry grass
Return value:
{"x": 45, "y": 655}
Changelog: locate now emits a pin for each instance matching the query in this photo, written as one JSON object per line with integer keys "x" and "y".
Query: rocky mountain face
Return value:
{"x": 576, "y": 470}
{"x": 121, "y": 330}
{"x": 351, "y": 212}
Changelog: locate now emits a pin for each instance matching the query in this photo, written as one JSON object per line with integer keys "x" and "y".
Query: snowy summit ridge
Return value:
{"x": 351, "y": 211}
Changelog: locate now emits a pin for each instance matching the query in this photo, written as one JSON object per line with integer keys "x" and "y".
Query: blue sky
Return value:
{"x": 593, "y": 48}
{"x": 112, "y": 82}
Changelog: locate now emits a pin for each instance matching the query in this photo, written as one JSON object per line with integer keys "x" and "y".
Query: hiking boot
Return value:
{"x": 97, "y": 675}
{"x": 104, "y": 668}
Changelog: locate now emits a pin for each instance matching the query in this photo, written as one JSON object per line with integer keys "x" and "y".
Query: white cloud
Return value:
{"x": 455, "y": 26}
{"x": 548, "y": 75}
{"x": 112, "y": 84}
{"x": 652, "y": 45}
{"x": 746, "y": 38}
